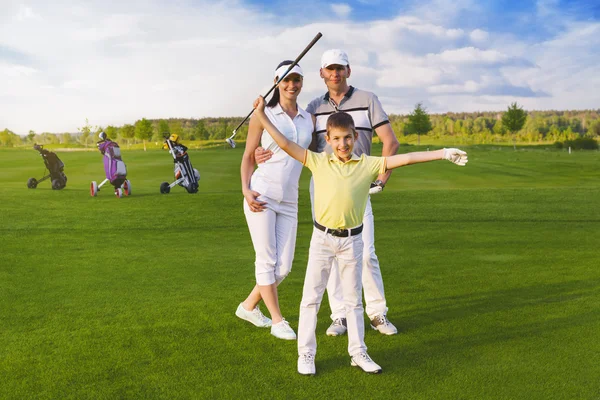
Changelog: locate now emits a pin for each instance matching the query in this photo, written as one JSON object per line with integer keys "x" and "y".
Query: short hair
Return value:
{"x": 340, "y": 120}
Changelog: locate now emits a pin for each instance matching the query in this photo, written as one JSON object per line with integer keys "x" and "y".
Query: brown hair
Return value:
{"x": 340, "y": 120}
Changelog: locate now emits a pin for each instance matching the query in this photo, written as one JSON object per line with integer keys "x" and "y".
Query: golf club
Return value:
{"x": 230, "y": 140}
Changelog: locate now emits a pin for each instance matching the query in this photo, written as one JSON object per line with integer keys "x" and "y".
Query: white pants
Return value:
{"x": 372, "y": 280}
{"x": 273, "y": 233}
{"x": 324, "y": 248}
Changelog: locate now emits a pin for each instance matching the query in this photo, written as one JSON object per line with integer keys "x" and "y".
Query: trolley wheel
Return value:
{"x": 127, "y": 187}
{"x": 56, "y": 184}
{"x": 119, "y": 192}
{"x": 32, "y": 183}
{"x": 192, "y": 188}
{"x": 94, "y": 189}
{"x": 164, "y": 188}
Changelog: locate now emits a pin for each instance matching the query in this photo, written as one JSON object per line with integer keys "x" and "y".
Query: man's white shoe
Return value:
{"x": 363, "y": 361}
{"x": 306, "y": 364}
{"x": 282, "y": 330}
{"x": 255, "y": 316}
{"x": 337, "y": 328}
{"x": 383, "y": 325}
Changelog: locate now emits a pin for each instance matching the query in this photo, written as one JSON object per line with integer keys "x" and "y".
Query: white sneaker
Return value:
{"x": 306, "y": 364}
{"x": 363, "y": 361}
{"x": 282, "y": 330}
{"x": 383, "y": 325}
{"x": 337, "y": 328}
{"x": 255, "y": 316}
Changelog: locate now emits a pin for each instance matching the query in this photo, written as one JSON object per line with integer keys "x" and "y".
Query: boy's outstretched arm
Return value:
{"x": 295, "y": 151}
{"x": 456, "y": 156}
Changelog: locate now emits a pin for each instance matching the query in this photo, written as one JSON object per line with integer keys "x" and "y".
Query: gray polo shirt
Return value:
{"x": 365, "y": 109}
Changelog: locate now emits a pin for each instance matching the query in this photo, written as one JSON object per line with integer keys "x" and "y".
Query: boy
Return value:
{"x": 341, "y": 181}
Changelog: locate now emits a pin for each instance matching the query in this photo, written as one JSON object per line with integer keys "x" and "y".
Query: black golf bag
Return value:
{"x": 185, "y": 174}
{"x": 55, "y": 169}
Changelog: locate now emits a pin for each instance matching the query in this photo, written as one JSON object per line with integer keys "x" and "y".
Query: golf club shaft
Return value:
{"x": 292, "y": 65}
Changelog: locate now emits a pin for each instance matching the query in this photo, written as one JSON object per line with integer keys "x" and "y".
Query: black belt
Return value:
{"x": 339, "y": 232}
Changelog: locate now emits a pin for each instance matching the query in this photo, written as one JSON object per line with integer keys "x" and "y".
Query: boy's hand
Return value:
{"x": 456, "y": 156}
{"x": 261, "y": 155}
{"x": 259, "y": 104}
{"x": 376, "y": 187}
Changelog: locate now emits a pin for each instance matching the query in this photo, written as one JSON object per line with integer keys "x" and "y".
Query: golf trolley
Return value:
{"x": 55, "y": 169}
{"x": 185, "y": 174}
{"x": 114, "y": 169}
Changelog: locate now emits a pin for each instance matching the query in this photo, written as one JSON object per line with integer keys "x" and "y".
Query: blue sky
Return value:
{"x": 69, "y": 60}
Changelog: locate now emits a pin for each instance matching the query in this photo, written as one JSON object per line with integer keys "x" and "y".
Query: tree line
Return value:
{"x": 551, "y": 126}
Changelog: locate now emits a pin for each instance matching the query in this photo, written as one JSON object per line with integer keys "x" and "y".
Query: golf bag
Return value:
{"x": 114, "y": 169}
{"x": 55, "y": 169}
{"x": 185, "y": 174}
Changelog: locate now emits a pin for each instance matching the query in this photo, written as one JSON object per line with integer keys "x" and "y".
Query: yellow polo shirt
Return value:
{"x": 342, "y": 188}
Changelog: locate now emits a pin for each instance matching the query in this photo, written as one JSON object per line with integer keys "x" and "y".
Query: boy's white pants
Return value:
{"x": 324, "y": 248}
{"x": 372, "y": 280}
{"x": 273, "y": 233}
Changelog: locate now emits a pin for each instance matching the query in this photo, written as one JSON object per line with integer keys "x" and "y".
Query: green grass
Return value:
{"x": 491, "y": 274}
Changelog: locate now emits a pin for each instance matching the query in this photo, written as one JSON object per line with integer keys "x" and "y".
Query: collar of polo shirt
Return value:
{"x": 354, "y": 157}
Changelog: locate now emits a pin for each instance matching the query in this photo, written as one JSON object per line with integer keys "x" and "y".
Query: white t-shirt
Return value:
{"x": 277, "y": 178}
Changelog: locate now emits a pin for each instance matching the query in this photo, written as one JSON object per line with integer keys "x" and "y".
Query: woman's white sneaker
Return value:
{"x": 306, "y": 364}
{"x": 363, "y": 361}
{"x": 255, "y": 317}
{"x": 282, "y": 330}
{"x": 338, "y": 327}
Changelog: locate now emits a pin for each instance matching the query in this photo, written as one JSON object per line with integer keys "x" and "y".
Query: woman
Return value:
{"x": 271, "y": 200}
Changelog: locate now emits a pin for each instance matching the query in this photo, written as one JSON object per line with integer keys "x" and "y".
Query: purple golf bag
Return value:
{"x": 114, "y": 168}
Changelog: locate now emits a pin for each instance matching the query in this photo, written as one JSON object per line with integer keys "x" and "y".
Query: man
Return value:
{"x": 369, "y": 116}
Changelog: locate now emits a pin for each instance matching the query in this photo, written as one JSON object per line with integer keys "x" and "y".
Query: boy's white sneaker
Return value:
{"x": 283, "y": 330}
{"x": 337, "y": 328}
{"x": 363, "y": 361}
{"x": 306, "y": 364}
{"x": 383, "y": 325}
{"x": 255, "y": 317}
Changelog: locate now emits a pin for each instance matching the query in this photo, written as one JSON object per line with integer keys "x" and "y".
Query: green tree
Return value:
{"x": 30, "y": 136}
{"x": 514, "y": 119}
{"x": 419, "y": 122}
{"x": 128, "y": 132}
{"x": 143, "y": 130}
{"x": 163, "y": 128}
{"x": 84, "y": 133}
{"x": 111, "y": 131}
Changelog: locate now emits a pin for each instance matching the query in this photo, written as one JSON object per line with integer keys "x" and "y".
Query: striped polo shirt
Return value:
{"x": 365, "y": 109}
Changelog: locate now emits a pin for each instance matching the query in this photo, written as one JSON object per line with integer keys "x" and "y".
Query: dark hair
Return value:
{"x": 340, "y": 120}
{"x": 275, "y": 98}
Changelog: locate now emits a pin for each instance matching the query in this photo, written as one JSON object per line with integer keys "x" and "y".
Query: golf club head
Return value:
{"x": 230, "y": 142}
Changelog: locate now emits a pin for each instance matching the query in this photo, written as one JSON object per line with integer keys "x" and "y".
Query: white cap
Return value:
{"x": 281, "y": 70}
{"x": 334, "y": 56}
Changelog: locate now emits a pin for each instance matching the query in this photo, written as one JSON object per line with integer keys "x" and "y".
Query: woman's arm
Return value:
{"x": 291, "y": 148}
{"x": 247, "y": 168}
{"x": 456, "y": 156}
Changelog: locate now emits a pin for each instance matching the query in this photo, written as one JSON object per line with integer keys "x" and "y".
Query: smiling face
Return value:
{"x": 341, "y": 141}
{"x": 290, "y": 87}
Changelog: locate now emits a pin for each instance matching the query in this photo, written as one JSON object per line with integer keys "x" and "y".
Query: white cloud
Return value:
{"x": 342, "y": 10}
{"x": 478, "y": 35}
{"x": 114, "y": 64}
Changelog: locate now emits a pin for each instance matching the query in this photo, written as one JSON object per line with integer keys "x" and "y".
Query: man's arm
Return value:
{"x": 390, "y": 146}
{"x": 291, "y": 148}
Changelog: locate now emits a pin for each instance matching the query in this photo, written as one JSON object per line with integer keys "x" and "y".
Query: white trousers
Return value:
{"x": 273, "y": 233}
{"x": 372, "y": 280}
{"x": 324, "y": 249}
